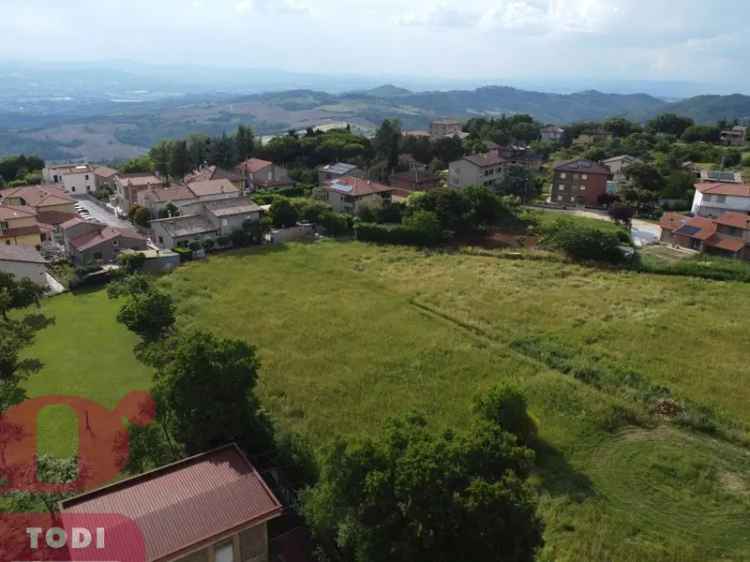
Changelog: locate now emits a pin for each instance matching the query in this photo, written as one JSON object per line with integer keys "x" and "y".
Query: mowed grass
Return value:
{"x": 350, "y": 334}
{"x": 85, "y": 353}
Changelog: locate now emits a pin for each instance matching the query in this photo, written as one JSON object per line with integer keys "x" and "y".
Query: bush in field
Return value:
{"x": 506, "y": 406}
{"x": 335, "y": 224}
{"x": 583, "y": 241}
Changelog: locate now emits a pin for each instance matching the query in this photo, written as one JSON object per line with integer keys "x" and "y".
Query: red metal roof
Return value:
{"x": 733, "y": 245}
{"x": 732, "y": 189}
{"x": 254, "y": 165}
{"x": 672, "y": 221}
{"x": 186, "y": 504}
{"x": 734, "y": 219}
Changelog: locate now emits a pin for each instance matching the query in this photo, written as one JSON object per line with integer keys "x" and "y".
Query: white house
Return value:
{"x": 23, "y": 262}
{"x": 712, "y": 199}
{"x": 75, "y": 178}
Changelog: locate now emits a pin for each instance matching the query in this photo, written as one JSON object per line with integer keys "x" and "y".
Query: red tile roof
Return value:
{"x": 8, "y": 212}
{"x": 166, "y": 194}
{"x": 44, "y": 195}
{"x": 582, "y": 166}
{"x": 356, "y": 187}
{"x": 732, "y": 189}
{"x": 54, "y": 217}
{"x": 20, "y": 231}
{"x": 106, "y": 234}
{"x": 672, "y": 221}
{"x": 186, "y": 504}
{"x": 254, "y": 165}
{"x": 733, "y": 219}
{"x": 733, "y": 245}
{"x": 698, "y": 227}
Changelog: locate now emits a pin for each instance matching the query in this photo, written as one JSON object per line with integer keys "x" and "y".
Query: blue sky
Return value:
{"x": 486, "y": 40}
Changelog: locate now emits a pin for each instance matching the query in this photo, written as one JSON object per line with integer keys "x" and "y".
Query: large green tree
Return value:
{"x": 245, "y": 140}
{"x": 415, "y": 495}
{"x": 386, "y": 142}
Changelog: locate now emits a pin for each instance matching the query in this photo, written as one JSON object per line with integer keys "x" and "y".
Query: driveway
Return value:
{"x": 100, "y": 213}
{"x": 643, "y": 232}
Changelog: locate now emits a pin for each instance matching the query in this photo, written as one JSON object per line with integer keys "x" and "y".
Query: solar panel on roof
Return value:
{"x": 689, "y": 230}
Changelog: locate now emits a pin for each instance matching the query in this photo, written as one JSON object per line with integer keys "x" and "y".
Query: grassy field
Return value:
{"x": 350, "y": 334}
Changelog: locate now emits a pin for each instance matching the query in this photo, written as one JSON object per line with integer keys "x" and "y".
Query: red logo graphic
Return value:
{"x": 102, "y": 441}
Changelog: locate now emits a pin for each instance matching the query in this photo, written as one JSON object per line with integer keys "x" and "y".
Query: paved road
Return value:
{"x": 99, "y": 212}
{"x": 643, "y": 232}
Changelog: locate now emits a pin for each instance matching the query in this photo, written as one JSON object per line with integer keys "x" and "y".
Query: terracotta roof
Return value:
{"x": 74, "y": 221}
{"x": 139, "y": 180}
{"x": 356, "y": 187}
{"x": 736, "y": 220}
{"x": 105, "y": 171}
{"x": 212, "y": 187}
{"x": 733, "y": 245}
{"x": 43, "y": 195}
{"x": 20, "y": 231}
{"x": 54, "y": 217}
{"x": 672, "y": 221}
{"x": 106, "y": 234}
{"x": 166, "y": 194}
{"x": 16, "y": 253}
{"x": 8, "y": 212}
{"x": 698, "y": 228}
{"x": 254, "y": 165}
{"x": 485, "y": 160}
{"x": 715, "y": 188}
{"x": 186, "y": 504}
{"x": 582, "y": 166}
{"x": 212, "y": 173}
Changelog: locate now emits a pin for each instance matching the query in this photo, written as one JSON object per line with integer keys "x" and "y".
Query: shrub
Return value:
{"x": 240, "y": 238}
{"x": 186, "y": 254}
{"x": 400, "y": 234}
{"x": 583, "y": 241}
{"x": 132, "y": 262}
{"x": 195, "y": 246}
{"x": 208, "y": 245}
{"x": 506, "y": 406}
{"x": 335, "y": 224}
{"x": 223, "y": 241}
{"x": 283, "y": 213}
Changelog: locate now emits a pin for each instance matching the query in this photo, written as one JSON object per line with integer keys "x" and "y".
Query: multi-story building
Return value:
{"x": 338, "y": 170}
{"x": 211, "y": 190}
{"x": 445, "y": 128}
{"x": 552, "y": 133}
{"x": 204, "y": 220}
{"x": 477, "y": 169}
{"x": 579, "y": 182}
{"x": 75, "y": 178}
{"x": 39, "y": 198}
{"x": 263, "y": 174}
{"x": 712, "y": 199}
{"x": 156, "y": 200}
{"x": 19, "y": 226}
{"x": 128, "y": 186}
{"x": 736, "y": 136}
{"x": 88, "y": 242}
{"x": 351, "y": 195}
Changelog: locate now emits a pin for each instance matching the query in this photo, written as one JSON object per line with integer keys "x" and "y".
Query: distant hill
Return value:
{"x": 713, "y": 108}
{"x": 103, "y": 129}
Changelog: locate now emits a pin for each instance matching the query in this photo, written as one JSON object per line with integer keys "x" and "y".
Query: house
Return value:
{"x": 598, "y": 136}
{"x": 618, "y": 164}
{"x": 128, "y": 186}
{"x": 157, "y": 261}
{"x": 414, "y": 180}
{"x": 207, "y": 173}
{"x": 211, "y": 507}
{"x": 736, "y": 136}
{"x": 104, "y": 176}
{"x": 579, "y": 182}
{"x": 263, "y": 174}
{"x": 157, "y": 199}
{"x": 23, "y": 262}
{"x": 552, "y": 133}
{"x": 728, "y": 235}
{"x": 19, "y": 227}
{"x": 408, "y": 161}
{"x": 518, "y": 156}
{"x": 338, "y": 170}
{"x": 350, "y": 195}
{"x": 445, "y": 128}
{"x": 89, "y": 242}
{"x": 74, "y": 178}
{"x": 209, "y": 190}
{"x": 722, "y": 176}
{"x": 712, "y": 199}
{"x": 477, "y": 169}
{"x": 204, "y": 220}
{"x": 40, "y": 198}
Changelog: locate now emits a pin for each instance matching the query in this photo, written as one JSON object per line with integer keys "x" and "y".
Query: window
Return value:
{"x": 115, "y": 243}
{"x": 585, "y": 176}
{"x": 198, "y": 556}
{"x": 559, "y": 197}
{"x": 161, "y": 240}
{"x": 721, "y": 199}
{"x": 87, "y": 177}
{"x": 73, "y": 188}
{"x": 562, "y": 176}
{"x": 582, "y": 187}
{"x": 224, "y": 552}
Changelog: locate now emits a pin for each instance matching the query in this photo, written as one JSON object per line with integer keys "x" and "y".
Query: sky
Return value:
{"x": 486, "y": 40}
